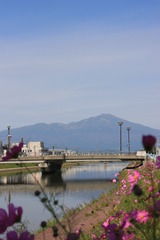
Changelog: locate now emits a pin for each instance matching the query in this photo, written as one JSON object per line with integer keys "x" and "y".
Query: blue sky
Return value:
{"x": 63, "y": 61}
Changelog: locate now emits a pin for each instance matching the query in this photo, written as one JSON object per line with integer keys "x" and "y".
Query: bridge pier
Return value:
{"x": 51, "y": 167}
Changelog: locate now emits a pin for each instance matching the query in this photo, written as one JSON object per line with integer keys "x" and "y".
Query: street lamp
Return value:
{"x": 128, "y": 129}
{"x": 9, "y": 138}
{"x": 120, "y": 124}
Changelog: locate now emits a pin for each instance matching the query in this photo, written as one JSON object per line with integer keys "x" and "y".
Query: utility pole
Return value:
{"x": 128, "y": 129}
{"x": 9, "y": 138}
{"x": 120, "y": 124}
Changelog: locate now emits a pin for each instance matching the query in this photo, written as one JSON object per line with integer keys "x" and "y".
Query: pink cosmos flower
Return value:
{"x": 142, "y": 216}
{"x": 126, "y": 220}
{"x": 148, "y": 142}
{"x": 103, "y": 236}
{"x": 114, "y": 180}
{"x": 94, "y": 237}
{"x": 133, "y": 179}
{"x": 3, "y": 220}
{"x": 105, "y": 224}
{"x": 150, "y": 189}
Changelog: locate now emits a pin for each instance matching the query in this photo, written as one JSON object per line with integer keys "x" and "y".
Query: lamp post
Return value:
{"x": 128, "y": 129}
{"x": 120, "y": 124}
{"x": 9, "y": 138}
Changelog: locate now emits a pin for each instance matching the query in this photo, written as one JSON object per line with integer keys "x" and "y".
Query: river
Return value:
{"x": 73, "y": 186}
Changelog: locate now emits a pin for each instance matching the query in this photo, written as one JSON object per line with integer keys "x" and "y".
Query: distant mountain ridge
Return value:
{"x": 100, "y": 133}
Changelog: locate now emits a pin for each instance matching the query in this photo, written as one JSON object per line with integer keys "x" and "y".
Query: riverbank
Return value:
{"x": 91, "y": 217}
{"x": 8, "y": 168}
{"x": 88, "y": 218}
{"x": 11, "y": 168}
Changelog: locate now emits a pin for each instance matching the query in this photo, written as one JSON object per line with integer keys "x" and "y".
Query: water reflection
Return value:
{"x": 97, "y": 171}
{"x": 73, "y": 186}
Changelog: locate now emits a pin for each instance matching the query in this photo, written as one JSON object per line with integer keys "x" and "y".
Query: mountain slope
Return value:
{"x": 100, "y": 133}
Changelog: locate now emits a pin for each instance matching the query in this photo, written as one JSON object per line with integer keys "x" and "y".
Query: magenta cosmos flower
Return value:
{"x": 3, "y": 220}
{"x": 148, "y": 142}
{"x": 74, "y": 236}
{"x": 158, "y": 162}
{"x": 115, "y": 232}
{"x": 14, "y": 214}
{"x": 12, "y": 235}
{"x": 14, "y": 152}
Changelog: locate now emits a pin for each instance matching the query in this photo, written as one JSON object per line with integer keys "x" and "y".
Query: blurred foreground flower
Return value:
{"x": 148, "y": 142}
{"x": 3, "y": 220}
{"x": 13, "y": 216}
{"x": 12, "y": 235}
{"x": 14, "y": 152}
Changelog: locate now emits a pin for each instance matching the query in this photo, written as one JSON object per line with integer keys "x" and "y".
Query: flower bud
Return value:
{"x": 37, "y": 193}
{"x": 55, "y": 231}
{"x": 137, "y": 190}
{"x": 43, "y": 224}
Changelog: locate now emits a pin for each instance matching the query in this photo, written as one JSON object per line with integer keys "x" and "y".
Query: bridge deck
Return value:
{"x": 81, "y": 157}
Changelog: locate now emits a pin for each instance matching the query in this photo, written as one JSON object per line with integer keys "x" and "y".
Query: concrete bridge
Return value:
{"x": 82, "y": 157}
{"x": 53, "y": 163}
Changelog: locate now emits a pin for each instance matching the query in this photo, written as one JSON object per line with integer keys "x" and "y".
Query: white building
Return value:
{"x": 34, "y": 149}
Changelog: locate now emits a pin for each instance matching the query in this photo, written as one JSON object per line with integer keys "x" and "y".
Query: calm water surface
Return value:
{"x": 75, "y": 185}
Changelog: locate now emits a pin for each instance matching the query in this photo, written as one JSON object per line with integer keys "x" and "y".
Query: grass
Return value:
{"x": 13, "y": 168}
{"x": 127, "y": 203}
{"x": 17, "y": 165}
